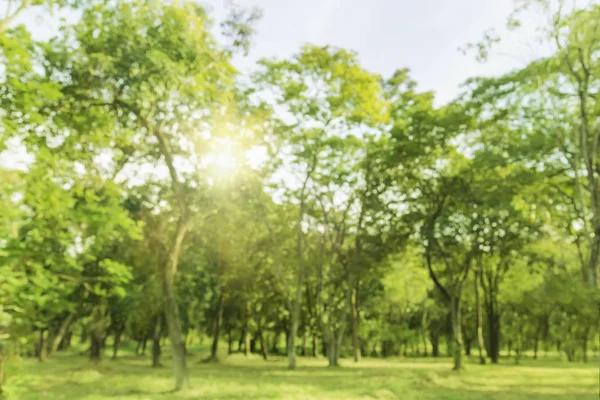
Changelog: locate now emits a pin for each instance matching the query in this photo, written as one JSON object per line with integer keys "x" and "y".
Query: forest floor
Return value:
{"x": 72, "y": 376}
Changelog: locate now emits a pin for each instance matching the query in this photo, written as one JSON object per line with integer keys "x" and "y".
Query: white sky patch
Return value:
{"x": 318, "y": 25}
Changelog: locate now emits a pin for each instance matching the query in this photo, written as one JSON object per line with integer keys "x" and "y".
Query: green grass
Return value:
{"x": 70, "y": 376}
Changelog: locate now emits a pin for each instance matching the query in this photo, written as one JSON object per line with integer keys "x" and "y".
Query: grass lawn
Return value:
{"x": 70, "y": 376}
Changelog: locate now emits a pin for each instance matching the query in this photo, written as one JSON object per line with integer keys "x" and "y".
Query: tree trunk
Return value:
{"x": 315, "y": 345}
{"x": 274, "y": 348}
{"x": 117, "y": 342}
{"x": 241, "y": 341}
{"x": 355, "y": 310}
{"x": 43, "y": 346}
{"x": 60, "y": 334}
{"x": 65, "y": 342}
{"x": 144, "y": 342}
{"x": 595, "y": 247}
{"x": 263, "y": 346}
{"x": 229, "y": 343}
{"x": 457, "y": 332}
{"x": 493, "y": 333}
{"x": 171, "y": 310}
{"x": 98, "y": 329}
{"x": 332, "y": 352}
{"x": 304, "y": 345}
{"x": 424, "y": 327}
{"x": 295, "y": 309}
{"x": 467, "y": 347}
{"x": 156, "y": 351}
{"x": 535, "y": 346}
{"x": 479, "y": 318}
{"x": 214, "y": 350}
{"x": 435, "y": 344}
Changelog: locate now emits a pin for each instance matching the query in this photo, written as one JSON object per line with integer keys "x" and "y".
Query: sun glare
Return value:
{"x": 225, "y": 158}
{"x": 222, "y": 162}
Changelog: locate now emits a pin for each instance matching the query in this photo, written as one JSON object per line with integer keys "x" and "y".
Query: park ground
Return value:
{"x": 72, "y": 376}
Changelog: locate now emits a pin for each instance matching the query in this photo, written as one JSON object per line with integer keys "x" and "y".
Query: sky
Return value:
{"x": 423, "y": 35}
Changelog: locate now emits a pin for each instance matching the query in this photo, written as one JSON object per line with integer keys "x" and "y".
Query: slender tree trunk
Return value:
{"x": 295, "y": 314}
{"x": 315, "y": 345}
{"x": 229, "y": 343}
{"x": 241, "y": 341}
{"x": 332, "y": 352}
{"x": 435, "y": 344}
{"x": 117, "y": 342}
{"x": 479, "y": 318}
{"x": 263, "y": 345}
{"x": 275, "y": 343}
{"x": 171, "y": 310}
{"x": 144, "y": 343}
{"x": 584, "y": 346}
{"x": 518, "y": 344}
{"x": 535, "y": 346}
{"x": 304, "y": 345}
{"x": 3, "y": 355}
{"x": 156, "y": 351}
{"x": 424, "y": 327}
{"x": 355, "y": 310}
{"x": 594, "y": 250}
{"x": 43, "y": 346}
{"x": 217, "y": 329}
{"x": 457, "y": 332}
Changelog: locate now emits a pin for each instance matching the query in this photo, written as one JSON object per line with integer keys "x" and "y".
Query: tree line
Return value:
{"x": 310, "y": 207}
